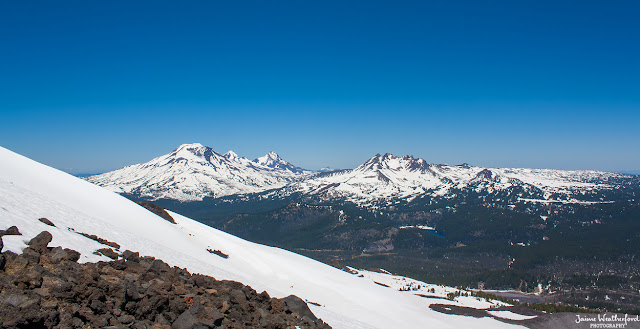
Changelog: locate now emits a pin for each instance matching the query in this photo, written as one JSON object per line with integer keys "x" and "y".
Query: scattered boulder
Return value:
{"x": 186, "y": 320}
{"x": 296, "y": 305}
{"x": 157, "y": 266}
{"x": 157, "y": 210}
{"x": 31, "y": 256}
{"x": 40, "y": 242}
{"x": 107, "y": 252}
{"x": 219, "y": 253}
{"x": 1, "y": 244}
{"x": 131, "y": 292}
{"x": 11, "y": 231}
{"x": 46, "y": 221}
{"x": 131, "y": 256}
{"x": 71, "y": 255}
{"x": 97, "y": 239}
{"x": 56, "y": 255}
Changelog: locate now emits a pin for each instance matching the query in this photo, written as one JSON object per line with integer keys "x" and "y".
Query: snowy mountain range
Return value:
{"x": 388, "y": 178}
{"x": 192, "y": 172}
{"x": 354, "y": 299}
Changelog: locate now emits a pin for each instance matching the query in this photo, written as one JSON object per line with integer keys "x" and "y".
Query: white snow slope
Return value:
{"x": 29, "y": 190}
{"x": 192, "y": 172}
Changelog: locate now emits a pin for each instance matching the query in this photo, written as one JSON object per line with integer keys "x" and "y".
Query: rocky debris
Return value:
{"x": 130, "y": 255}
{"x": 46, "y": 221}
{"x": 46, "y": 288}
{"x": 298, "y": 306}
{"x": 10, "y": 231}
{"x": 58, "y": 254}
{"x": 157, "y": 210}
{"x": 97, "y": 239}
{"x": 219, "y": 253}
{"x": 40, "y": 242}
{"x": 107, "y": 252}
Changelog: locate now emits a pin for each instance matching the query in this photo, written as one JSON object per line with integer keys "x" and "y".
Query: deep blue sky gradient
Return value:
{"x": 91, "y": 86}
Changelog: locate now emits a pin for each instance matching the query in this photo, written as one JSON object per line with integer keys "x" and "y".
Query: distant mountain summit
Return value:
{"x": 193, "y": 171}
{"x": 273, "y": 160}
{"x": 388, "y": 179}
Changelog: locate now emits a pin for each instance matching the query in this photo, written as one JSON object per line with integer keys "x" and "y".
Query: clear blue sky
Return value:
{"x": 91, "y": 86}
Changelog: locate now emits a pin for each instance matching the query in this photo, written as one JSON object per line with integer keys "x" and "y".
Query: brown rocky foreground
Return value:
{"x": 46, "y": 287}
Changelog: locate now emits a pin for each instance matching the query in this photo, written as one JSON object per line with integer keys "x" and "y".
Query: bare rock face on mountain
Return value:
{"x": 46, "y": 288}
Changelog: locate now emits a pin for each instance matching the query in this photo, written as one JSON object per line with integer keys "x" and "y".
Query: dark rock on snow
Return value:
{"x": 107, "y": 252}
{"x": 296, "y": 305}
{"x": 11, "y": 231}
{"x": 46, "y": 221}
{"x": 130, "y": 255}
{"x": 40, "y": 242}
{"x": 46, "y": 288}
{"x": 97, "y": 239}
{"x": 157, "y": 210}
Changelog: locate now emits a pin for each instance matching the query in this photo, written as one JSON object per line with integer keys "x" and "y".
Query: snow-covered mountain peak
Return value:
{"x": 193, "y": 171}
{"x": 193, "y": 151}
{"x": 192, "y": 147}
{"x": 389, "y": 161}
{"x": 269, "y": 159}
{"x": 388, "y": 178}
{"x": 231, "y": 155}
{"x": 274, "y": 161}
